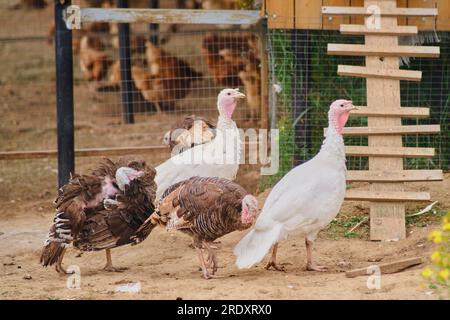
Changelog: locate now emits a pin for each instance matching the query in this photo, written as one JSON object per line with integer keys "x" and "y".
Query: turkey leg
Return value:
{"x": 59, "y": 268}
{"x": 310, "y": 266}
{"x": 109, "y": 266}
{"x": 273, "y": 260}
{"x": 212, "y": 259}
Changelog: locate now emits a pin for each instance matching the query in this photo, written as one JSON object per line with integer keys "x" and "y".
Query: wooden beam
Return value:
{"x": 93, "y": 152}
{"x": 386, "y": 196}
{"x": 337, "y": 49}
{"x": 395, "y": 176}
{"x": 397, "y": 12}
{"x": 390, "y": 267}
{"x": 367, "y": 72}
{"x": 406, "y": 112}
{"x": 414, "y": 129}
{"x": 408, "y": 152}
{"x": 354, "y": 29}
{"x": 160, "y": 16}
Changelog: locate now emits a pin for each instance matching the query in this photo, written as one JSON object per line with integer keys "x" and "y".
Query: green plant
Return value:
{"x": 438, "y": 274}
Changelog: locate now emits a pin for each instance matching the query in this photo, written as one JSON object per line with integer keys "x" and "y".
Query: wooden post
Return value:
{"x": 384, "y": 112}
{"x": 387, "y": 220}
{"x": 126, "y": 83}
{"x": 64, "y": 95}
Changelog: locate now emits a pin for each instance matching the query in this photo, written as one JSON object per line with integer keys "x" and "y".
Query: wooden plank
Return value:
{"x": 333, "y": 22}
{"x": 397, "y": 152}
{"x": 405, "y": 112}
{"x": 386, "y": 196}
{"x": 394, "y": 51}
{"x": 397, "y": 12}
{"x": 443, "y": 19}
{"x": 161, "y": 16}
{"x": 423, "y": 23}
{"x": 307, "y": 14}
{"x": 367, "y": 72}
{"x": 91, "y": 152}
{"x": 385, "y": 268}
{"x": 396, "y": 176}
{"x": 354, "y": 29}
{"x": 280, "y": 14}
{"x": 413, "y": 129}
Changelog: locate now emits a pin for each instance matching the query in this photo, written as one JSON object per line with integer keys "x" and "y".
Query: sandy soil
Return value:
{"x": 167, "y": 268}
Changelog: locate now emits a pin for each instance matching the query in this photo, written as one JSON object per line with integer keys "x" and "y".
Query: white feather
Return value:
{"x": 305, "y": 201}
{"x": 205, "y": 159}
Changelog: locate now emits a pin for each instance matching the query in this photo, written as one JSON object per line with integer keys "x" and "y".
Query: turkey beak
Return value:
{"x": 351, "y": 107}
{"x": 239, "y": 95}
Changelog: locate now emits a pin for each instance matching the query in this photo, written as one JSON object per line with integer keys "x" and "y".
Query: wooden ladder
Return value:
{"x": 385, "y": 150}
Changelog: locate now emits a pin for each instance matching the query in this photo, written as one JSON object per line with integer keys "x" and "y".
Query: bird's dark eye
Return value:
{"x": 342, "y": 105}
{"x": 229, "y": 93}
{"x": 115, "y": 185}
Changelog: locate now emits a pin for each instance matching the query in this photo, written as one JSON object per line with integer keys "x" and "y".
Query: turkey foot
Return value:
{"x": 273, "y": 260}
{"x": 314, "y": 267}
{"x": 59, "y": 268}
{"x": 211, "y": 260}
{"x": 310, "y": 266}
{"x": 109, "y": 266}
{"x": 275, "y": 266}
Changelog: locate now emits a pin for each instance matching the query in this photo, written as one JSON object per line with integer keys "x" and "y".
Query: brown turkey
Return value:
{"x": 101, "y": 210}
{"x": 206, "y": 208}
{"x": 189, "y": 132}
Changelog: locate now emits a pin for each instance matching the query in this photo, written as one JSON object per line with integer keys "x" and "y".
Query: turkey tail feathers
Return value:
{"x": 255, "y": 245}
{"x": 59, "y": 237}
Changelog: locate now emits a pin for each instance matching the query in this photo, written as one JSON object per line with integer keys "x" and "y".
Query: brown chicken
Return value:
{"x": 101, "y": 210}
{"x": 94, "y": 61}
{"x": 189, "y": 132}
{"x": 226, "y": 55}
{"x": 205, "y": 208}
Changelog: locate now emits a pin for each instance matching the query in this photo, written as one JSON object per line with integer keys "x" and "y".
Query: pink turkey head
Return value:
{"x": 339, "y": 112}
{"x": 249, "y": 209}
{"x": 227, "y": 100}
{"x": 124, "y": 176}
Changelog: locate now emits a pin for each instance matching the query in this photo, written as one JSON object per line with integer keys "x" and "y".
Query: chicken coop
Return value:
{"x": 134, "y": 69}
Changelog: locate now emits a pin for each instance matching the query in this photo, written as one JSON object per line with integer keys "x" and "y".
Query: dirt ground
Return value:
{"x": 167, "y": 268}
{"x": 164, "y": 264}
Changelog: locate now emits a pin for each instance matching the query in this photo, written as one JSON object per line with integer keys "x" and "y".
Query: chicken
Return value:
{"x": 227, "y": 55}
{"x": 93, "y": 29}
{"x": 93, "y": 61}
{"x": 218, "y": 158}
{"x": 251, "y": 78}
{"x": 304, "y": 201}
{"x": 137, "y": 42}
{"x": 101, "y": 210}
{"x": 191, "y": 131}
{"x": 176, "y": 74}
{"x": 205, "y": 208}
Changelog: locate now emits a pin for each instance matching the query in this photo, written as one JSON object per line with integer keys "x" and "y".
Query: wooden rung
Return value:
{"x": 394, "y": 74}
{"x": 337, "y": 49}
{"x": 406, "y": 112}
{"x": 395, "y": 176}
{"x": 386, "y": 196}
{"x": 397, "y": 12}
{"x": 356, "y": 29}
{"x": 407, "y": 152}
{"x": 419, "y": 129}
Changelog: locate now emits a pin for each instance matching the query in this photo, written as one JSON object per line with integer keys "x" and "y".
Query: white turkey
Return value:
{"x": 205, "y": 208}
{"x": 306, "y": 200}
{"x": 218, "y": 158}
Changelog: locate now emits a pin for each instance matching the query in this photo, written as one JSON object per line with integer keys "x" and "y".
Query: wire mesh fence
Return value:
{"x": 181, "y": 74}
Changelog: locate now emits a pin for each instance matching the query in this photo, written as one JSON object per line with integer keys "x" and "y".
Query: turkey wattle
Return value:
{"x": 306, "y": 200}
{"x": 218, "y": 158}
